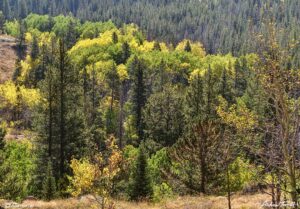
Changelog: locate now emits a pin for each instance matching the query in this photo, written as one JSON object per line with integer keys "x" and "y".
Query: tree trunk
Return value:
{"x": 228, "y": 187}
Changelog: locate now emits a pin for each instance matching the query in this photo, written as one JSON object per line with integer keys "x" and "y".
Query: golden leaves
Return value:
{"x": 237, "y": 115}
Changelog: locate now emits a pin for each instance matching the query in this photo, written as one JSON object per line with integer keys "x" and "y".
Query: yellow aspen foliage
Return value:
{"x": 96, "y": 176}
{"x": 122, "y": 72}
{"x": 28, "y": 37}
{"x": 102, "y": 41}
{"x": 238, "y": 115}
{"x": 197, "y": 48}
{"x": 195, "y": 73}
{"x": 84, "y": 174}
{"x": 26, "y": 66}
{"x": 9, "y": 95}
{"x": 45, "y": 38}
{"x": 101, "y": 68}
{"x": 147, "y": 46}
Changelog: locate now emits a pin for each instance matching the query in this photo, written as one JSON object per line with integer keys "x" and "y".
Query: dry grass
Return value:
{"x": 203, "y": 202}
{"x": 8, "y": 57}
{"x": 187, "y": 202}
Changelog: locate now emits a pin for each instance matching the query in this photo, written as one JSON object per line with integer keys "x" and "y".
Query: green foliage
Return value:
{"x": 12, "y": 28}
{"x": 163, "y": 116}
{"x": 241, "y": 174}
{"x": 34, "y": 48}
{"x": 141, "y": 186}
{"x": 2, "y": 21}
{"x": 49, "y": 184}
{"x": 84, "y": 81}
{"x": 42, "y": 23}
{"x": 16, "y": 170}
{"x": 2, "y": 135}
{"x": 162, "y": 192}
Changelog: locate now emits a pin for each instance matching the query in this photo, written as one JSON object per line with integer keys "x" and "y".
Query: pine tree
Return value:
{"x": 22, "y": 13}
{"x": 139, "y": 95}
{"x": 2, "y": 135}
{"x": 49, "y": 183}
{"x": 6, "y": 9}
{"x": 141, "y": 188}
{"x": 115, "y": 37}
{"x": 71, "y": 36}
{"x": 125, "y": 52}
{"x": 21, "y": 39}
{"x": 156, "y": 46}
{"x": 240, "y": 79}
{"x": 2, "y": 21}
{"x": 34, "y": 48}
{"x": 224, "y": 87}
{"x": 188, "y": 47}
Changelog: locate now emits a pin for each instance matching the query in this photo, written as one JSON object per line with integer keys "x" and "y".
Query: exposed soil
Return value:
{"x": 8, "y": 57}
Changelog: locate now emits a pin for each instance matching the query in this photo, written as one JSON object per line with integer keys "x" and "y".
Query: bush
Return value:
{"x": 161, "y": 192}
{"x": 16, "y": 169}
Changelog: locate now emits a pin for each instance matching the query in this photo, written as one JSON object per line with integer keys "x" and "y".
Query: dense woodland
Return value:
{"x": 222, "y": 26}
{"x": 99, "y": 108}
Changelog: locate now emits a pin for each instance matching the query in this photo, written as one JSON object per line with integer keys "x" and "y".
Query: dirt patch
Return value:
{"x": 8, "y": 57}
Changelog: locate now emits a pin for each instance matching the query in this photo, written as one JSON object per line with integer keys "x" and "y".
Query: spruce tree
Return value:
{"x": 141, "y": 188}
{"x": 2, "y": 21}
{"x": 49, "y": 183}
{"x": 139, "y": 95}
{"x": 156, "y": 46}
{"x": 188, "y": 47}
{"x": 125, "y": 52}
{"x": 34, "y": 48}
{"x": 22, "y": 13}
{"x": 6, "y": 9}
{"x": 2, "y": 135}
{"x": 115, "y": 37}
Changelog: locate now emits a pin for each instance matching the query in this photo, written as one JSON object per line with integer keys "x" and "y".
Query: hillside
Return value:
{"x": 7, "y": 57}
{"x": 221, "y": 25}
{"x": 96, "y": 108}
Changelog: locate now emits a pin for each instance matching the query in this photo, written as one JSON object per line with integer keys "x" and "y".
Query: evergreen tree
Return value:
{"x": 139, "y": 95}
{"x": 22, "y": 13}
{"x": 188, "y": 47}
{"x": 141, "y": 188}
{"x": 115, "y": 37}
{"x": 2, "y": 21}
{"x": 224, "y": 87}
{"x": 72, "y": 34}
{"x": 125, "y": 52}
{"x": 163, "y": 116}
{"x": 6, "y": 9}
{"x": 49, "y": 184}
{"x": 2, "y": 135}
{"x": 34, "y": 48}
{"x": 156, "y": 46}
{"x": 240, "y": 80}
{"x": 21, "y": 39}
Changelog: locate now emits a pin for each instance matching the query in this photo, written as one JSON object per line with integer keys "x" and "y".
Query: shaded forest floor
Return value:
{"x": 8, "y": 57}
{"x": 187, "y": 202}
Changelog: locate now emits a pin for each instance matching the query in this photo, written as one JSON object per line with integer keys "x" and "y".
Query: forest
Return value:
{"x": 149, "y": 104}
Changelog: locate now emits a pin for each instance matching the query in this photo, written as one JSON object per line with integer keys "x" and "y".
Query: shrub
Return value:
{"x": 16, "y": 169}
{"x": 161, "y": 192}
